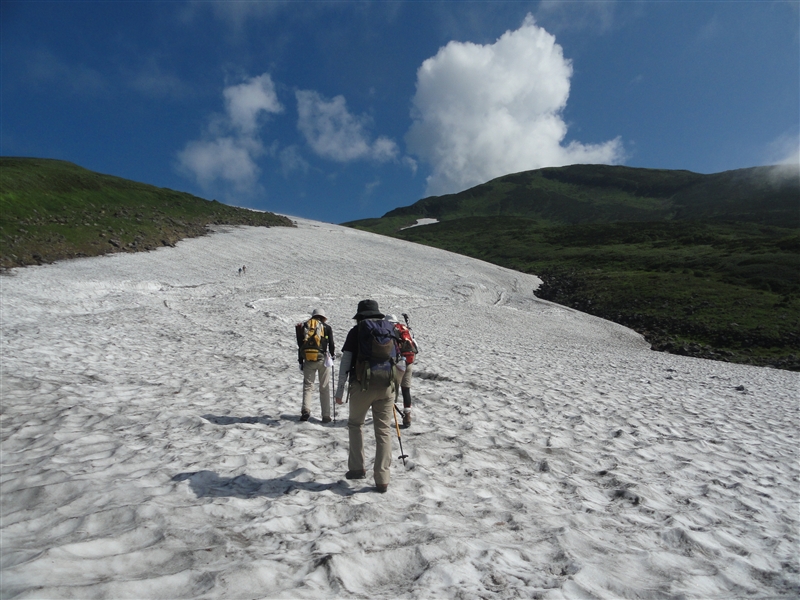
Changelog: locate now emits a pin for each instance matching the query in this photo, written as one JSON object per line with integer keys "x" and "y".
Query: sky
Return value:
{"x": 338, "y": 111}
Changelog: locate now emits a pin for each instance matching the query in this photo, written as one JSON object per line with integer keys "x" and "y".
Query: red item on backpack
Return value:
{"x": 408, "y": 348}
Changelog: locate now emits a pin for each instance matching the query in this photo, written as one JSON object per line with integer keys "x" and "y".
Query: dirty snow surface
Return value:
{"x": 151, "y": 446}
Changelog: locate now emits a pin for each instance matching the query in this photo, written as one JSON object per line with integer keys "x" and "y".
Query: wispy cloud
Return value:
{"x": 151, "y": 80}
{"x": 784, "y": 153}
{"x": 481, "y": 111}
{"x": 598, "y": 17}
{"x": 234, "y": 15}
{"x": 370, "y": 187}
{"x": 710, "y": 31}
{"x": 44, "y": 68}
{"x": 232, "y": 142}
{"x": 291, "y": 160}
{"x": 336, "y": 134}
{"x": 784, "y": 150}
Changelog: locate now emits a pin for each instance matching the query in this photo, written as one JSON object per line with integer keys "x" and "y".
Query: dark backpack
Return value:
{"x": 377, "y": 354}
{"x": 313, "y": 339}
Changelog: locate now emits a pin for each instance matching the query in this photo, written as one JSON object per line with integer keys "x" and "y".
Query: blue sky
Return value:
{"x": 344, "y": 110}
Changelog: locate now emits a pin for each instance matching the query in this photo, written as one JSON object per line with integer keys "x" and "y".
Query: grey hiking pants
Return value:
{"x": 381, "y": 401}
{"x": 310, "y": 369}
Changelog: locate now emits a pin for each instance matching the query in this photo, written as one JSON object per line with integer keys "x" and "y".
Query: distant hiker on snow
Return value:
{"x": 369, "y": 358}
{"x": 408, "y": 351}
{"x": 315, "y": 353}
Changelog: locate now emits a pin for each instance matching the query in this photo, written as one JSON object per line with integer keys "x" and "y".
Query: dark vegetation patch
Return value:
{"x": 701, "y": 265}
{"x": 605, "y": 194}
{"x": 51, "y": 210}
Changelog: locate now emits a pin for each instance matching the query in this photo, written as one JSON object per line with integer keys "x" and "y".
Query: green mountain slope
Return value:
{"x": 701, "y": 265}
{"x": 51, "y": 210}
{"x": 603, "y": 194}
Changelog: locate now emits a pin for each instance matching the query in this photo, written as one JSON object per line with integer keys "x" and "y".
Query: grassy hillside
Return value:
{"x": 607, "y": 194}
{"x": 702, "y": 265}
{"x": 51, "y": 210}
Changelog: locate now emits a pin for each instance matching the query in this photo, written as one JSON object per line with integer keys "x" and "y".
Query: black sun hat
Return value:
{"x": 368, "y": 309}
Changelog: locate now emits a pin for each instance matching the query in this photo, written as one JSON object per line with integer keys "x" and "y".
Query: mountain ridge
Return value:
{"x": 701, "y": 265}
{"x": 605, "y": 193}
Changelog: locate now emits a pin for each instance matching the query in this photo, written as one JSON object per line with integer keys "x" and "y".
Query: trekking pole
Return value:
{"x": 408, "y": 324}
{"x": 333, "y": 387}
{"x": 399, "y": 439}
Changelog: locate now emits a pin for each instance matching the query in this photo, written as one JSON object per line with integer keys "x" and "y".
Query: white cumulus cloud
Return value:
{"x": 232, "y": 142}
{"x": 246, "y": 101}
{"x": 482, "y": 111}
{"x": 334, "y": 133}
{"x": 229, "y": 159}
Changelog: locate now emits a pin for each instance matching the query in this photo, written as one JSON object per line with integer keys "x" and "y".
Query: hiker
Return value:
{"x": 244, "y": 270}
{"x": 408, "y": 352}
{"x": 315, "y": 353}
{"x": 368, "y": 362}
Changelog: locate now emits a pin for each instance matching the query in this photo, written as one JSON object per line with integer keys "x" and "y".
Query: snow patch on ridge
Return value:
{"x": 421, "y": 222}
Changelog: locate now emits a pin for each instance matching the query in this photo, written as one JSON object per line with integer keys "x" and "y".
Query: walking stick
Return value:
{"x": 397, "y": 427}
{"x": 333, "y": 387}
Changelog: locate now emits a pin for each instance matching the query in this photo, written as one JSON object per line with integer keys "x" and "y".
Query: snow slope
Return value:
{"x": 151, "y": 446}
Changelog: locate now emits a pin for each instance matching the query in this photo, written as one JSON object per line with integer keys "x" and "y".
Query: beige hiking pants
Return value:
{"x": 405, "y": 376}
{"x": 381, "y": 401}
{"x": 310, "y": 370}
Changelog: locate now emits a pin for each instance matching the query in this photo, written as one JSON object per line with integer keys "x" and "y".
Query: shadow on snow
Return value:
{"x": 266, "y": 420}
{"x": 224, "y": 420}
{"x": 207, "y": 484}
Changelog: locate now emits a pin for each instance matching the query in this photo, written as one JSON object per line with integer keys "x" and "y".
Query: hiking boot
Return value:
{"x": 305, "y": 415}
{"x": 381, "y": 488}
{"x": 407, "y": 419}
{"x": 356, "y": 474}
{"x": 326, "y": 419}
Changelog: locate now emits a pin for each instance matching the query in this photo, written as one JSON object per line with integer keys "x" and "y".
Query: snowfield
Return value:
{"x": 151, "y": 443}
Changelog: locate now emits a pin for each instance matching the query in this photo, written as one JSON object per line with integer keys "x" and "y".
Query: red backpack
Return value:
{"x": 408, "y": 348}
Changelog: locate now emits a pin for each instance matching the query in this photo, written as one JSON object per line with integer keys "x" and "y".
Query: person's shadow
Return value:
{"x": 224, "y": 420}
{"x": 264, "y": 420}
{"x": 207, "y": 484}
